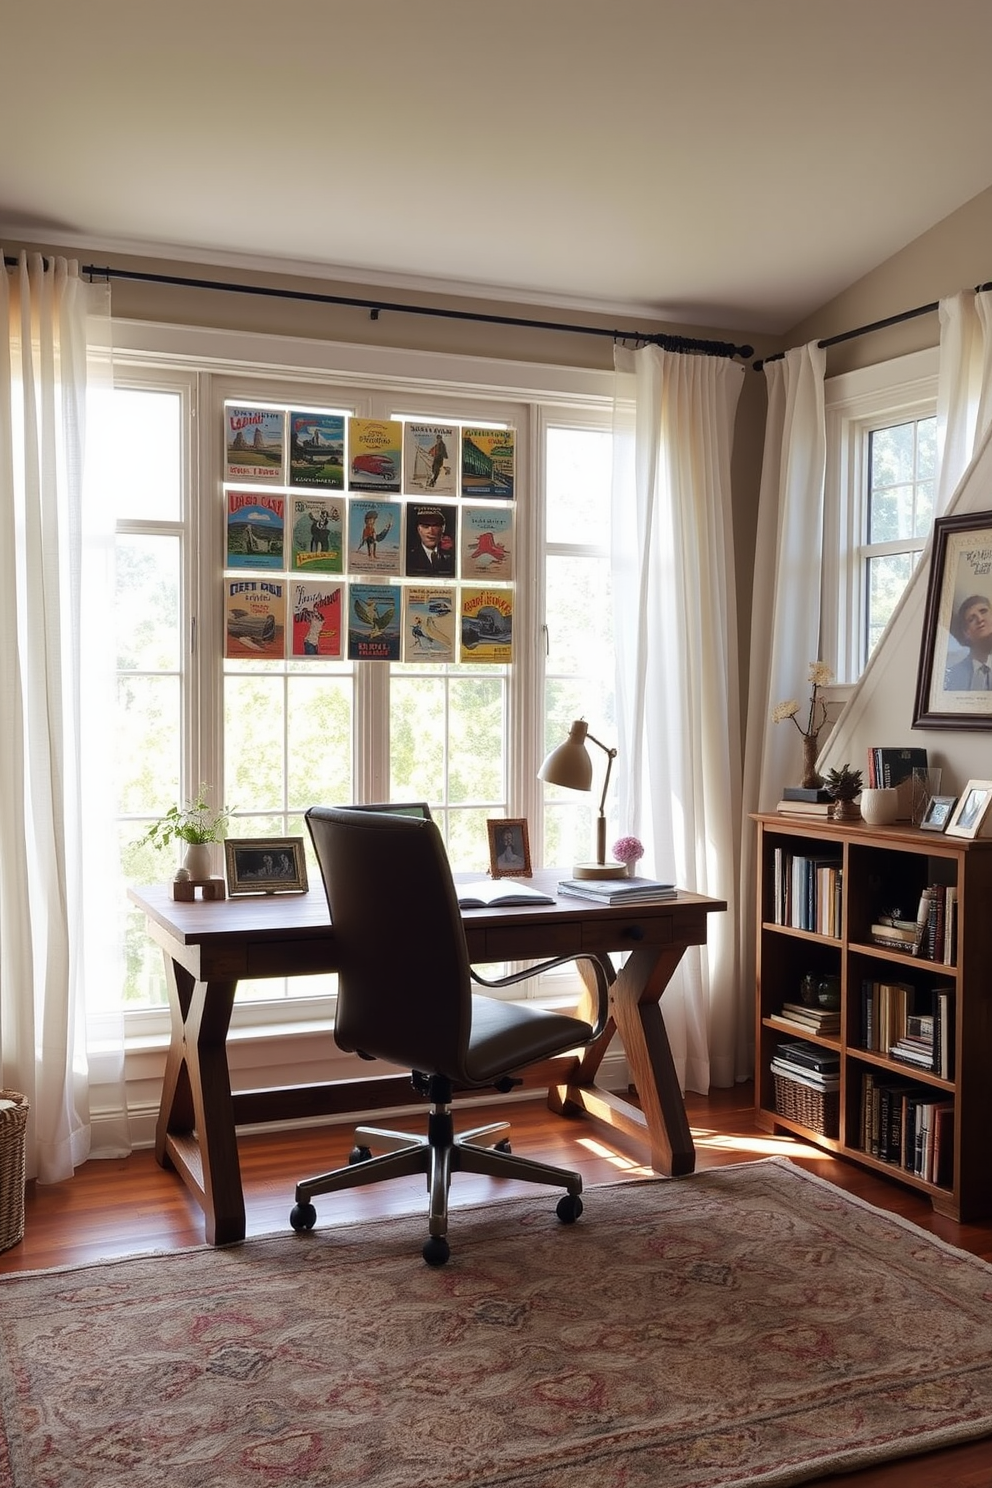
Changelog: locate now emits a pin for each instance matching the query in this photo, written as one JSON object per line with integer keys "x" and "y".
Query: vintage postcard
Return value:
{"x": 318, "y": 534}
{"x": 254, "y": 618}
{"x": 254, "y": 444}
{"x": 317, "y": 618}
{"x": 375, "y": 451}
{"x": 316, "y": 450}
{"x": 430, "y": 458}
{"x": 374, "y": 531}
{"x": 255, "y": 530}
{"x": 487, "y": 542}
{"x": 488, "y": 462}
{"x": 429, "y": 624}
{"x": 487, "y": 625}
{"x": 431, "y": 540}
{"x": 374, "y": 622}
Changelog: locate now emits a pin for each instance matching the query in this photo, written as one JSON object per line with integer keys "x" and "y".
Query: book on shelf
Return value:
{"x": 822, "y": 809}
{"x": 823, "y": 1020}
{"x": 486, "y": 891}
{"x": 809, "y": 1056}
{"x": 812, "y": 1079}
{"x": 815, "y": 793}
{"x": 888, "y": 766}
{"x": 894, "y": 939}
{"x": 618, "y": 890}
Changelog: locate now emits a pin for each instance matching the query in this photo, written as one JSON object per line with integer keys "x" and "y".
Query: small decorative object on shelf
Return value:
{"x": 628, "y": 850}
{"x": 844, "y": 785}
{"x": 820, "y": 675}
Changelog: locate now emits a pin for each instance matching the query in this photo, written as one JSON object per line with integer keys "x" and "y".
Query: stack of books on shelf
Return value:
{"x": 914, "y": 1025}
{"x": 618, "y": 890}
{"x": 807, "y": 891}
{"x": 801, "y": 800}
{"x": 890, "y": 767}
{"x": 810, "y": 1019}
{"x": 897, "y": 934}
{"x": 908, "y": 1125}
{"x": 807, "y": 1085}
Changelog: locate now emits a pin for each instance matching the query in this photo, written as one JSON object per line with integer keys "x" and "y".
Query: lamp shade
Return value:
{"x": 570, "y": 765}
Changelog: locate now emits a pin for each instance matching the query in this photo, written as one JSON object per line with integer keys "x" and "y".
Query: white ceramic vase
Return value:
{"x": 198, "y": 861}
{"x": 879, "y": 805}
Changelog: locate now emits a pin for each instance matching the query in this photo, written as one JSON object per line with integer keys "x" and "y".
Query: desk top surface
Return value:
{"x": 305, "y": 916}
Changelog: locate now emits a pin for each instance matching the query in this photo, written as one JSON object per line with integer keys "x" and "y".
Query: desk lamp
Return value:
{"x": 571, "y": 766}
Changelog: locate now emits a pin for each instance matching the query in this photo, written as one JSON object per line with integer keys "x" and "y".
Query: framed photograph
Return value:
{"x": 972, "y": 810}
{"x": 954, "y": 681}
{"x": 938, "y": 813}
{"x": 509, "y": 848}
{"x": 265, "y": 865}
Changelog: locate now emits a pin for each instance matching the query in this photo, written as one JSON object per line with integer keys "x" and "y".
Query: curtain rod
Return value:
{"x": 876, "y": 325}
{"x": 376, "y": 307}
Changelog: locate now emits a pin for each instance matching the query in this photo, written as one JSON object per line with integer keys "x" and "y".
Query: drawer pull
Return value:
{"x": 633, "y": 932}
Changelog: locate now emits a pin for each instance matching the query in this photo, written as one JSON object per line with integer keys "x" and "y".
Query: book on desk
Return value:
{"x": 484, "y": 892}
{"x": 618, "y": 890}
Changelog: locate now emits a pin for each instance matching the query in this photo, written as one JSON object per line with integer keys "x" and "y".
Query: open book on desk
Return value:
{"x": 486, "y": 891}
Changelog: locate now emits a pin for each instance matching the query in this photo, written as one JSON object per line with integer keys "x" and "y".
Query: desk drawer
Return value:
{"x": 524, "y": 942}
{"x": 624, "y": 934}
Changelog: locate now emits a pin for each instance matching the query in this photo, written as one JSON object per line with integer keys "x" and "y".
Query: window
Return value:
{"x": 272, "y": 735}
{"x": 880, "y": 484}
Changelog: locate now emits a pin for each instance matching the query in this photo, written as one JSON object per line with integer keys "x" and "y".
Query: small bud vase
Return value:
{"x": 810, "y": 777}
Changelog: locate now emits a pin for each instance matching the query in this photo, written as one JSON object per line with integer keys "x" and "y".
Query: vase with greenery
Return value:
{"x": 820, "y": 676}
{"x": 198, "y": 825}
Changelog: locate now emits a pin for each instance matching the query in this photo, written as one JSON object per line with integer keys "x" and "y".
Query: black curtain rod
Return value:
{"x": 876, "y": 325}
{"x": 376, "y": 307}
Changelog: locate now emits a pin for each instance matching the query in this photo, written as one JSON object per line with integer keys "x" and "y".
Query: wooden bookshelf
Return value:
{"x": 881, "y": 867}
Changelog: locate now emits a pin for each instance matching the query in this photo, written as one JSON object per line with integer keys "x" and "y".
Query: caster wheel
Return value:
{"x": 436, "y": 1250}
{"x": 503, "y": 1146}
{"x": 303, "y": 1217}
{"x": 359, "y": 1155}
{"x": 569, "y": 1208}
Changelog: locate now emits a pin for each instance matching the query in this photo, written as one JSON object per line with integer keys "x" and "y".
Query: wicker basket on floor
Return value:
{"x": 816, "y": 1109}
{"x": 13, "y": 1121}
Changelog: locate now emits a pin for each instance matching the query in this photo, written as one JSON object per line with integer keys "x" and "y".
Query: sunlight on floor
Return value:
{"x": 625, "y": 1164}
{"x": 763, "y": 1146}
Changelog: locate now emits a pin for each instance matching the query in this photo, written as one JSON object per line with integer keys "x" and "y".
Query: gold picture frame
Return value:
{"x": 509, "y": 848}
{"x": 265, "y": 865}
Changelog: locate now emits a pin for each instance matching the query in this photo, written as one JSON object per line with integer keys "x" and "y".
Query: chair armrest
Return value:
{"x": 601, "y": 973}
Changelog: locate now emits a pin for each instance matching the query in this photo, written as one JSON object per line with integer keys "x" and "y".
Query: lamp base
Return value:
{"x": 599, "y": 870}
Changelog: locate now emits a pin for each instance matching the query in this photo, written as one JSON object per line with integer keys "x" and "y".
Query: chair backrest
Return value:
{"x": 404, "y": 984}
{"x": 396, "y": 808}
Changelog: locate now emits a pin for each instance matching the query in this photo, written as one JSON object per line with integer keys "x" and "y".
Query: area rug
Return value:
{"x": 748, "y": 1325}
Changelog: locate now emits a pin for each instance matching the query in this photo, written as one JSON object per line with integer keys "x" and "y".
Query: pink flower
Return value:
{"x": 628, "y": 850}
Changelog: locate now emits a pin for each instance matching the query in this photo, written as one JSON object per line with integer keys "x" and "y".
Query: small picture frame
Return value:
{"x": 938, "y": 813}
{"x": 265, "y": 865}
{"x": 509, "y": 848}
{"x": 972, "y": 810}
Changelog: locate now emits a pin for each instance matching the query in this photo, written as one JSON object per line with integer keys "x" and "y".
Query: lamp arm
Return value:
{"x": 611, "y": 755}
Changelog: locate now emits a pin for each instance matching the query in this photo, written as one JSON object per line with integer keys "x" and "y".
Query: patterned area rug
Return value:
{"x": 749, "y": 1325}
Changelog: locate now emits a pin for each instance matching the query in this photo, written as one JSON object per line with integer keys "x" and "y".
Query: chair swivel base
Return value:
{"x": 437, "y": 1155}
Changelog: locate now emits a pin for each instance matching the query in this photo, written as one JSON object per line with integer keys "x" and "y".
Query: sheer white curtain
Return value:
{"x": 677, "y": 663}
{"x": 964, "y": 387}
{"x": 56, "y": 921}
{"x": 785, "y": 610}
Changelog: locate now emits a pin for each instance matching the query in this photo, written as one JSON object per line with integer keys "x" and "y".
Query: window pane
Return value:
{"x": 892, "y": 452}
{"x": 579, "y": 476}
{"x": 887, "y": 578}
{"x": 319, "y": 724}
{"x": 146, "y": 472}
{"x": 254, "y": 742}
{"x": 148, "y": 592}
{"x": 148, "y": 742}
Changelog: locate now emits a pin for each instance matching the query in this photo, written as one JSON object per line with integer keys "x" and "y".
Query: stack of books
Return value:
{"x": 618, "y": 890}
{"x": 910, "y": 1126}
{"x": 810, "y": 1019}
{"x": 808, "y": 1063}
{"x": 927, "y": 1042}
{"x": 897, "y": 934}
{"x": 801, "y": 800}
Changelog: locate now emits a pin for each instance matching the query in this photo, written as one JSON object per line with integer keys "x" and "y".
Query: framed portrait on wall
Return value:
{"x": 954, "y": 682}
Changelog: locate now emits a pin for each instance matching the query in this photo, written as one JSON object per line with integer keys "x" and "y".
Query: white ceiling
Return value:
{"x": 731, "y": 163}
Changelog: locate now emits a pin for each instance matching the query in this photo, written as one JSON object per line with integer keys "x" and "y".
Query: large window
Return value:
{"x": 270, "y": 736}
{"x": 881, "y": 474}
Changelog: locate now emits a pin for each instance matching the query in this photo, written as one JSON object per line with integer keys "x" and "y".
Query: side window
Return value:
{"x": 880, "y": 484}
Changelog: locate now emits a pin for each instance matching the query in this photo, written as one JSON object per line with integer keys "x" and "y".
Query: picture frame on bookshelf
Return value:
{"x": 951, "y": 691}
{"x": 938, "y": 813}
{"x": 509, "y": 848}
{"x": 972, "y": 810}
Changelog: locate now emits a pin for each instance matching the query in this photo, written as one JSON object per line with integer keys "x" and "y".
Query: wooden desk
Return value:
{"x": 210, "y": 945}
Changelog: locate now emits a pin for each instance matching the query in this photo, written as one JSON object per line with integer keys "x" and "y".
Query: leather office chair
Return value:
{"x": 405, "y": 995}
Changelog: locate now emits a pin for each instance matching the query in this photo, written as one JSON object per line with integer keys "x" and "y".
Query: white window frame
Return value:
{"x": 212, "y": 364}
{"x": 856, "y": 402}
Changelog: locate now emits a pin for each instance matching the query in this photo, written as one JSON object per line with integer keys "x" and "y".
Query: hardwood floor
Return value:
{"x": 114, "y": 1208}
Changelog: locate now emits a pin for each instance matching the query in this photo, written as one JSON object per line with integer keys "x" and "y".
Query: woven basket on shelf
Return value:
{"x": 816, "y": 1109}
{"x": 13, "y": 1120}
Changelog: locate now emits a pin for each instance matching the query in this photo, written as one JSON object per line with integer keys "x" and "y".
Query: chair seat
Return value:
{"x": 508, "y": 1035}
